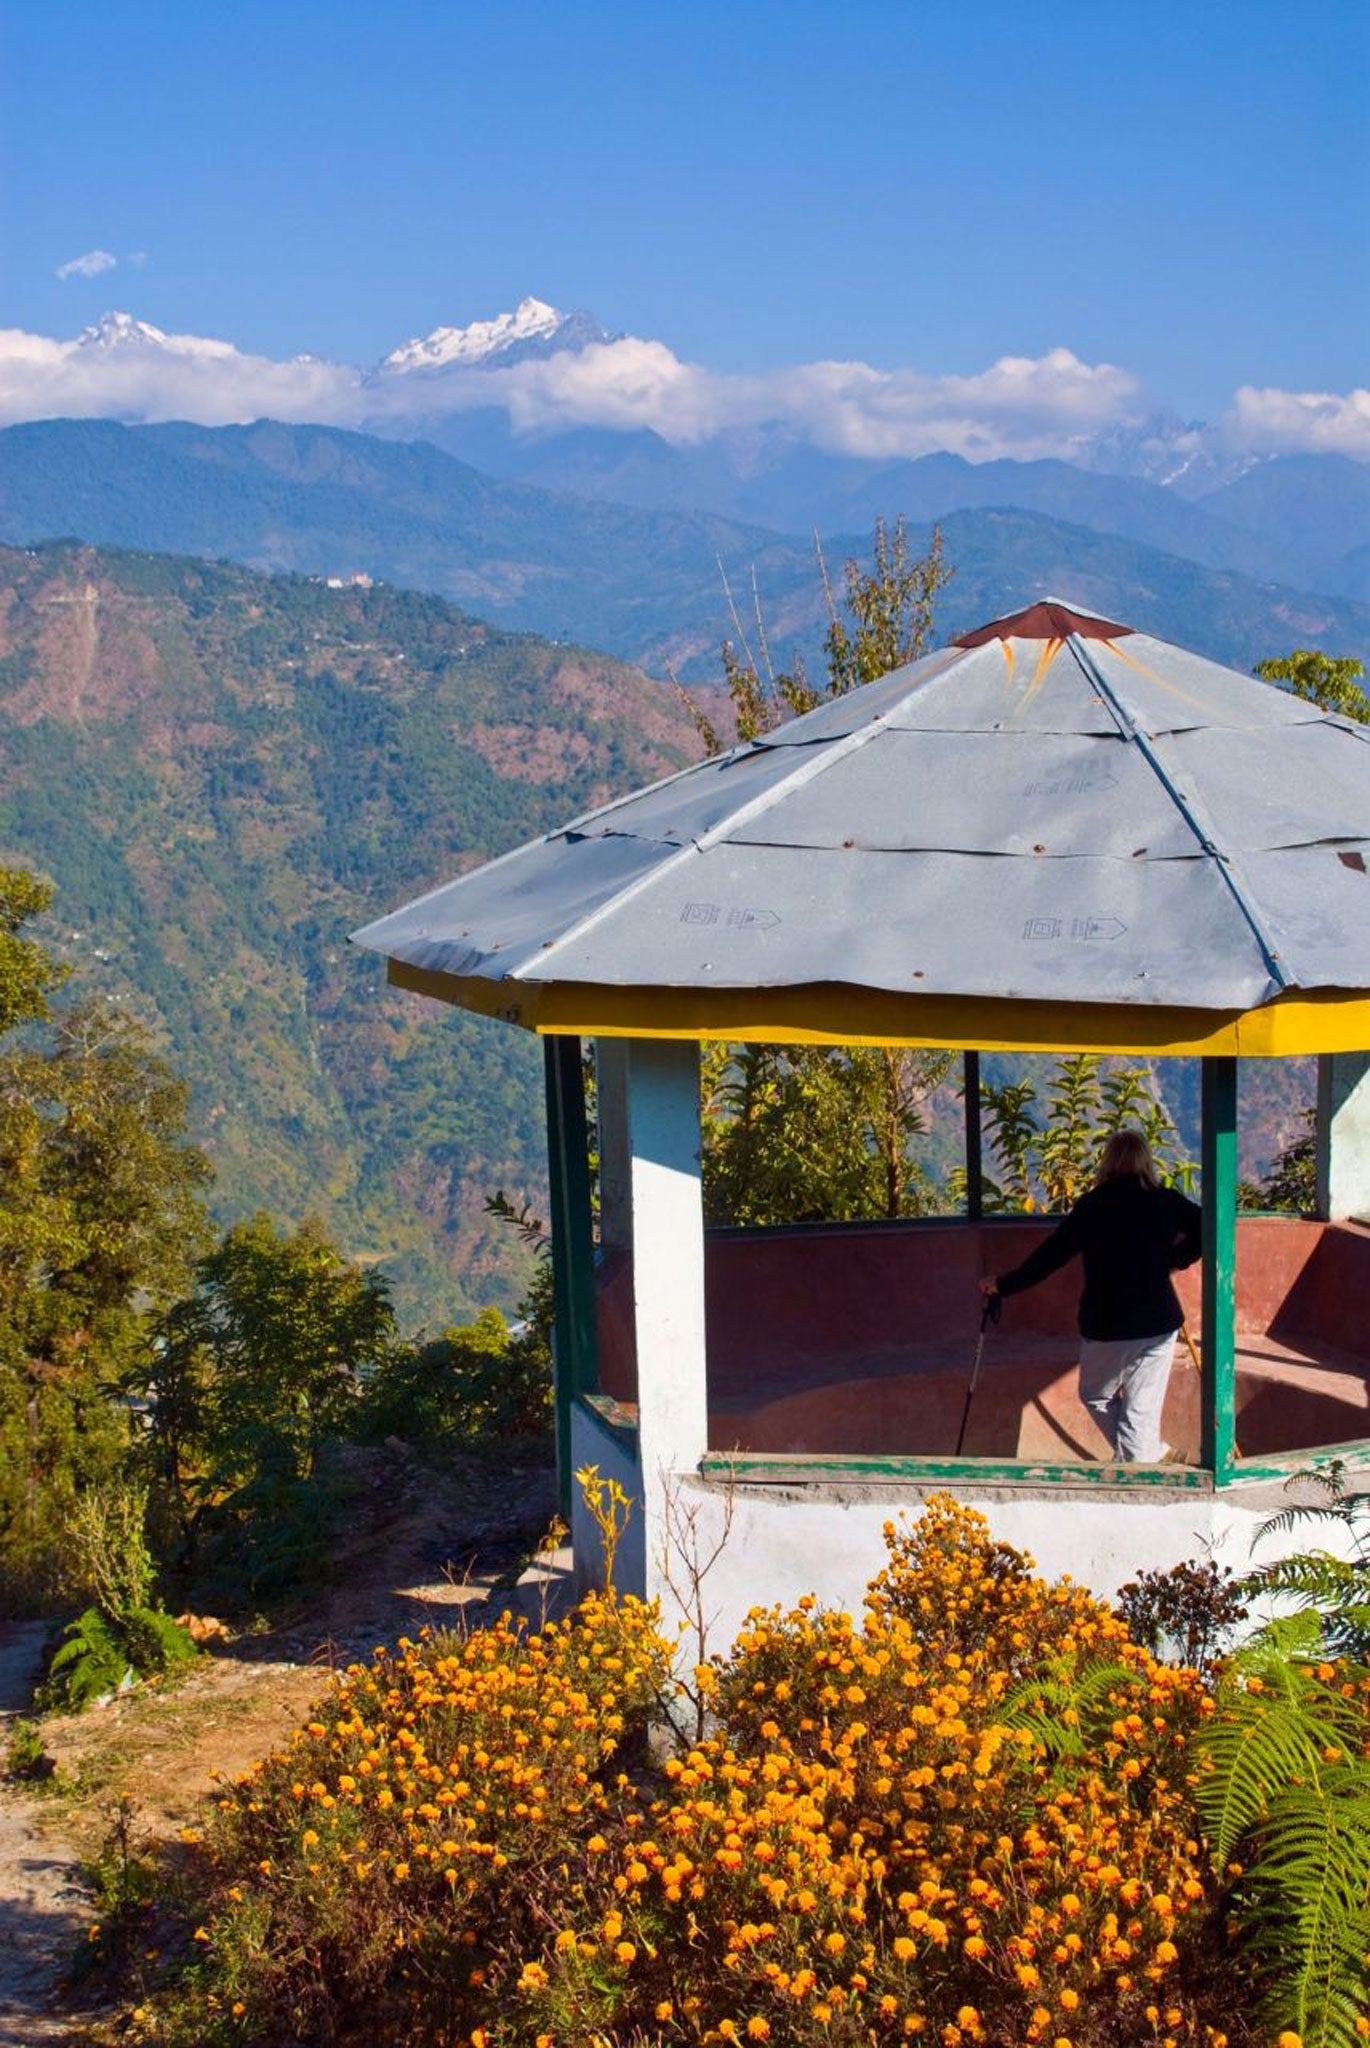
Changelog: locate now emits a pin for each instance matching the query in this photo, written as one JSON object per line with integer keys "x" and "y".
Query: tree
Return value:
{"x": 1330, "y": 681}
{"x": 26, "y": 970}
{"x": 100, "y": 1219}
{"x": 799, "y": 1133}
{"x": 262, "y": 1363}
{"x": 889, "y": 622}
{"x": 1046, "y": 1151}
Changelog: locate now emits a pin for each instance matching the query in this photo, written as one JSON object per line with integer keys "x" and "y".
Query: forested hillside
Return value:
{"x": 223, "y": 774}
{"x": 642, "y": 582}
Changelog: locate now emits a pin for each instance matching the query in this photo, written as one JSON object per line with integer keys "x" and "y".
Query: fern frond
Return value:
{"x": 1336, "y": 1506}
{"x": 1068, "y": 1711}
{"x": 1274, "y": 1725}
{"x": 1308, "y": 1918}
{"x": 1335, "y": 1589}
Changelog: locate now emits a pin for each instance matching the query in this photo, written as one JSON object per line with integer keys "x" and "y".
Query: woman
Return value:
{"x": 1132, "y": 1234}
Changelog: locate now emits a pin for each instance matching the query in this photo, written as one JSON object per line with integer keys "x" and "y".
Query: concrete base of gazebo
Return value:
{"x": 774, "y": 1541}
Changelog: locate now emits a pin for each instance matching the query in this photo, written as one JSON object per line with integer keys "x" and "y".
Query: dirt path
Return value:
{"x": 43, "y": 1905}
{"x": 450, "y": 1552}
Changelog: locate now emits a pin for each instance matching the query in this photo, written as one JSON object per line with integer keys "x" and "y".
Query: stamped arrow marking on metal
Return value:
{"x": 1073, "y": 785}
{"x": 1086, "y": 928}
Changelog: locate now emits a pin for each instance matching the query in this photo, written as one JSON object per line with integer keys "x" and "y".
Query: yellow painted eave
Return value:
{"x": 836, "y": 1013}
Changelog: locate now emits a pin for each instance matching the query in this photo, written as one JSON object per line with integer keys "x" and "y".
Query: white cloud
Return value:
{"x": 92, "y": 264}
{"x": 1310, "y": 422}
{"x": 1020, "y": 406}
{"x": 128, "y": 370}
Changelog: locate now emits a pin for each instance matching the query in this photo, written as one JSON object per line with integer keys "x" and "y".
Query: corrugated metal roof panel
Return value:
{"x": 1306, "y": 787}
{"x": 1006, "y": 792}
{"x": 930, "y": 923}
{"x": 497, "y": 919}
{"x": 1168, "y": 689}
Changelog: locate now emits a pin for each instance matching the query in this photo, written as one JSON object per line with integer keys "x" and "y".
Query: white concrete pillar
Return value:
{"x": 1343, "y": 1134}
{"x": 668, "y": 1293}
{"x": 615, "y": 1158}
{"x": 668, "y": 1252}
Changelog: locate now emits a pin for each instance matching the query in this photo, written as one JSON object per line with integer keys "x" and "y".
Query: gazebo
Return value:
{"x": 1055, "y": 835}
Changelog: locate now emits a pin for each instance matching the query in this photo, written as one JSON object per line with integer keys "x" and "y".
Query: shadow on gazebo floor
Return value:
{"x": 1029, "y": 1407}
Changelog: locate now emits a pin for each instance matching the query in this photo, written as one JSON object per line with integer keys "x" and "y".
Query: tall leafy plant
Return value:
{"x": 1283, "y": 1791}
{"x": 1045, "y": 1140}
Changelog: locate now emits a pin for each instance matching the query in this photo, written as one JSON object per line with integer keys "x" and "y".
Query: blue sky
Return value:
{"x": 1180, "y": 189}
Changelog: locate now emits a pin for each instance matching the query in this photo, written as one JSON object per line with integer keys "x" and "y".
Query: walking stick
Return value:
{"x": 990, "y": 1314}
{"x": 1193, "y": 1351}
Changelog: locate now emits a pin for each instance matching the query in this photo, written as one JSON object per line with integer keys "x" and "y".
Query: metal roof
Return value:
{"x": 1055, "y": 809}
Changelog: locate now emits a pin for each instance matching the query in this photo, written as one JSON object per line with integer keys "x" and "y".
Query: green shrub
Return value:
{"x": 102, "y": 1655}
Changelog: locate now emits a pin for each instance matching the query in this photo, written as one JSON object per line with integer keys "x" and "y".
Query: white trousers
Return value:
{"x": 1123, "y": 1383}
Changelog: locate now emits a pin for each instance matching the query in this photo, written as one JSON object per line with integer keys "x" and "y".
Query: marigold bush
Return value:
{"x": 966, "y": 1818}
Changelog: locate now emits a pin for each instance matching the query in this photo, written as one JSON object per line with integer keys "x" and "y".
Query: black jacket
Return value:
{"x": 1131, "y": 1238}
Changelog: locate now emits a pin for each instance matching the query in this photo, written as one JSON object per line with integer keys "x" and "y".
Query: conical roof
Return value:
{"x": 1053, "y": 810}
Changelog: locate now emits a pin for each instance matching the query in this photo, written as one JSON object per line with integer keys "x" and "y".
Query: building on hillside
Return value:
{"x": 1055, "y": 835}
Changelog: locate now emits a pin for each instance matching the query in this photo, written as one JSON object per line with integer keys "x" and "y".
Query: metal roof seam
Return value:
{"x": 808, "y": 768}
{"x": 1132, "y": 731}
{"x": 616, "y": 803}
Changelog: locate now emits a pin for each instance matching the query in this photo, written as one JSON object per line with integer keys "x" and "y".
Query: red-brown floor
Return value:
{"x": 1286, "y": 1401}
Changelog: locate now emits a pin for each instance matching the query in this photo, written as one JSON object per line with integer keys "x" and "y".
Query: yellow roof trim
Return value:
{"x": 836, "y": 1013}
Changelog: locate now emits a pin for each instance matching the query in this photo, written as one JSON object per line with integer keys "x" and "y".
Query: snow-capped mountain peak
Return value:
{"x": 121, "y": 330}
{"x": 533, "y": 328}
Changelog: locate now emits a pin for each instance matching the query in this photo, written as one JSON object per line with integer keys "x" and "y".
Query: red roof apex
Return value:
{"x": 1048, "y": 619}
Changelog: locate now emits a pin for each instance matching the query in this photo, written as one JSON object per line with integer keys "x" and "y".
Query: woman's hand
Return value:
{"x": 989, "y": 1287}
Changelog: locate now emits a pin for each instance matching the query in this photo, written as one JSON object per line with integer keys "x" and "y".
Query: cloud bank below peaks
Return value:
{"x": 1020, "y": 406}
{"x": 1303, "y": 422}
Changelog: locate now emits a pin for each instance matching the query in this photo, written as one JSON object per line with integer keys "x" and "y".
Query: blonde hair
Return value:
{"x": 1127, "y": 1156}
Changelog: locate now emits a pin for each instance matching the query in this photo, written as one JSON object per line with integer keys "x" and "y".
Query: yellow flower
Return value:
{"x": 625, "y": 1951}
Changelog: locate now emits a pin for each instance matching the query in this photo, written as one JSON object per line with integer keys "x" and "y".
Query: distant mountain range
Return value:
{"x": 646, "y": 584}
{"x": 555, "y": 400}
{"x": 224, "y": 773}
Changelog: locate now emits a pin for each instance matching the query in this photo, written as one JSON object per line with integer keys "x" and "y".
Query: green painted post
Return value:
{"x": 573, "y": 1274}
{"x": 970, "y": 1088}
{"x": 1219, "y": 1353}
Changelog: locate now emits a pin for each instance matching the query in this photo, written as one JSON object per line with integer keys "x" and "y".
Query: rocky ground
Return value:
{"x": 440, "y": 1550}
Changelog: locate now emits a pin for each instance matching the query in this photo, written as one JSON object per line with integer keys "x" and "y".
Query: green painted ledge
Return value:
{"x": 803, "y": 1469}
{"x": 795, "y": 1469}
